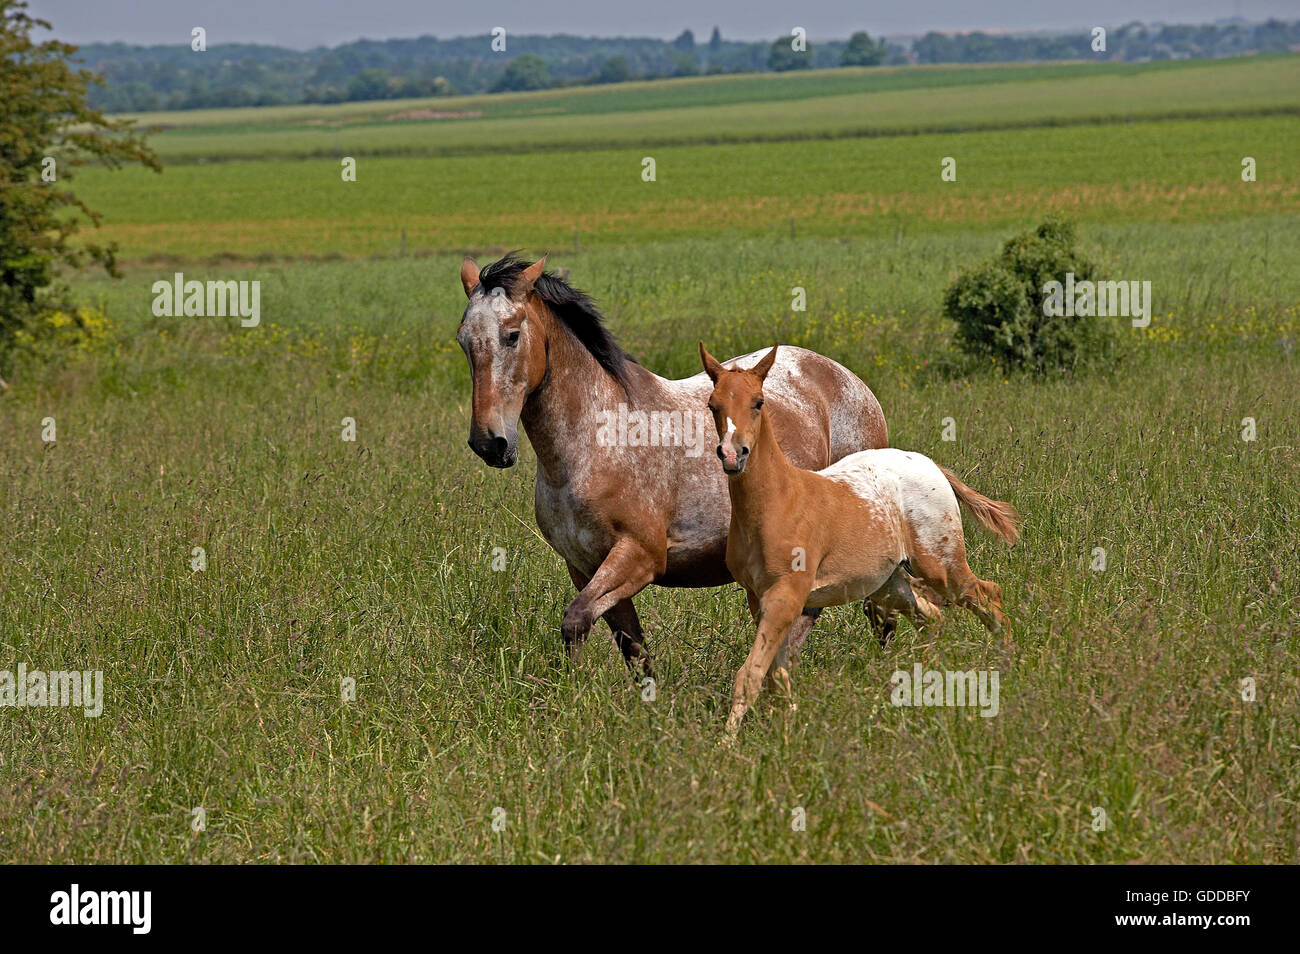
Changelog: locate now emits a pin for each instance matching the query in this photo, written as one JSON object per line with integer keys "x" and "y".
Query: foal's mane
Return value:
{"x": 572, "y": 306}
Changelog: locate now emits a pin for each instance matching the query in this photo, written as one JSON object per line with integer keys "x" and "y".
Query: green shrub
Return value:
{"x": 998, "y": 305}
{"x": 58, "y": 333}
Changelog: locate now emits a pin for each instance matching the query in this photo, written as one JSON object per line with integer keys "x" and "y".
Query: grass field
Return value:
{"x": 678, "y": 93}
{"x": 747, "y": 109}
{"x": 1166, "y": 172}
{"x": 1120, "y": 689}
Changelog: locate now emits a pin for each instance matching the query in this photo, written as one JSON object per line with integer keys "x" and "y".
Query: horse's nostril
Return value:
{"x": 499, "y": 444}
{"x": 719, "y": 450}
{"x": 744, "y": 452}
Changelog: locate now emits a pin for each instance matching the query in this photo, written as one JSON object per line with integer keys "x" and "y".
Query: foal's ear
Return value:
{"x": 469, "y": 275}
{"x": 534, "y": 272}
{"x": 765, "y": 365}
{"x": 711, "y": 366}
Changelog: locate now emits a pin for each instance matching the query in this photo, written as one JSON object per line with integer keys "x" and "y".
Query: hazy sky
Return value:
{"x": 306, "y": 23}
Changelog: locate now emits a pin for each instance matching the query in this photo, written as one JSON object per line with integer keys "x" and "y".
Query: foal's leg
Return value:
{"x": 628, "y": 569}
{"x": 984, "y": 599}
{"x": 897, "y": 595}
{"x": 882, "y": 620}
{"x": 952, "y": 578}
{"x": 778, "y": 608}
{"x": 799, "y": 631}
{"x": 777, "y": 678}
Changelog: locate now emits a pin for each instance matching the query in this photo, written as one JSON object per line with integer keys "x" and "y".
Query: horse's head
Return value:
{"x": 737, "y": 407}
{"x": 505, "y": 342}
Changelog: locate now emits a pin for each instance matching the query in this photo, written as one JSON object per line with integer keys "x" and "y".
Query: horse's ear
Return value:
{"x": 534, "y": 272}
{"x": 469, "y": 271}
{"x": 765, "y": 365}
{"x": 711, "y": 366}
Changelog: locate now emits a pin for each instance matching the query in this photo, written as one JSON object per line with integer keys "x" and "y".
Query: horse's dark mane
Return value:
{"x": 572, "y": 306}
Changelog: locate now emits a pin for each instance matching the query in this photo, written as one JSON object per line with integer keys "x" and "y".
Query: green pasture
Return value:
{"x": 1120, "y": 689}
{"x": 742, "y": 109}
{"x": 1154, "y": 171}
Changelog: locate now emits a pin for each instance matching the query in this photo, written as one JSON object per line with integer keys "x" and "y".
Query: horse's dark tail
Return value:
{"x": 999, "y": 518}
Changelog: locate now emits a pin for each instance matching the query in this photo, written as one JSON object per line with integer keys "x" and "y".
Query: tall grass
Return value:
{"x": 372, "y": 560}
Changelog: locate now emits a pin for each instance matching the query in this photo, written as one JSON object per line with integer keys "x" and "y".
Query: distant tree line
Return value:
{"x": 1131, "y": 42}
{"x": 174, "y": 77}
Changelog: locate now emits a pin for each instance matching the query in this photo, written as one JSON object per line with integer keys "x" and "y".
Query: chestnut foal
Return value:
{"x": 862, "y": 528}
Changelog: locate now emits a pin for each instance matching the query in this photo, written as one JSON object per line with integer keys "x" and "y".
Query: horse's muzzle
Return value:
{"x": 496, "y": 450}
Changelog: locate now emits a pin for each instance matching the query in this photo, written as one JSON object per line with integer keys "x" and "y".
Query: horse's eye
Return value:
{"x": 512, "y": 339}
{"x": 758, "y": 405}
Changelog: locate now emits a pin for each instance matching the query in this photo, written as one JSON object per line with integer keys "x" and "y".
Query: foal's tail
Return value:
{"x": 1000, "y": 518}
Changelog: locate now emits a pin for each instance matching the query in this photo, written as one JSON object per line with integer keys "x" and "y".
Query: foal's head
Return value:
{"x": 505, "y": 343}
{"x": 737, "y": 407}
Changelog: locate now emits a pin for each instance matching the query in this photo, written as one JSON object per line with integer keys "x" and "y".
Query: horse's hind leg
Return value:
{"x": 628, "y": 637}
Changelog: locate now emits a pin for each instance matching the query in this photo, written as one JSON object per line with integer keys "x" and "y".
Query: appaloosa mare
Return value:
{"x": 858, "y": 529}
{"x": 623, "y": 509}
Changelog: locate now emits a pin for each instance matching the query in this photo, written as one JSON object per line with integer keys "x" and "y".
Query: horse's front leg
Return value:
{"x": 627, "y": 570}
{"x": 625, "y": 626}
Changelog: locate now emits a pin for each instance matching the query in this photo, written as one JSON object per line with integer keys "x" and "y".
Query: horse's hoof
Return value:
{"x": 639, "y": 665}
{"x": 575, "y": 627}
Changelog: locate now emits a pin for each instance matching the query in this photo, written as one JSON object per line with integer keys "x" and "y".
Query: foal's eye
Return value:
{"x": 512, "y": 339}
{"x": 758, "y": 405}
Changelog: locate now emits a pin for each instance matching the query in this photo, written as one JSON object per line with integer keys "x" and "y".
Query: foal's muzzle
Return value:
{"x": 733, "y": 462}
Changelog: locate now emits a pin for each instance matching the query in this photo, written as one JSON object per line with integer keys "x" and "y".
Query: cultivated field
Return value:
{"x": 1121, "y": 689}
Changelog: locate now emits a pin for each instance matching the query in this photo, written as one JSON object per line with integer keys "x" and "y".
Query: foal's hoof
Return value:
{"x": 781, "y": 685}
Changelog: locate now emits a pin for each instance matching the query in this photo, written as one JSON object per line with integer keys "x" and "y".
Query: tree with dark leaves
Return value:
{"x": 46, "y": 131}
